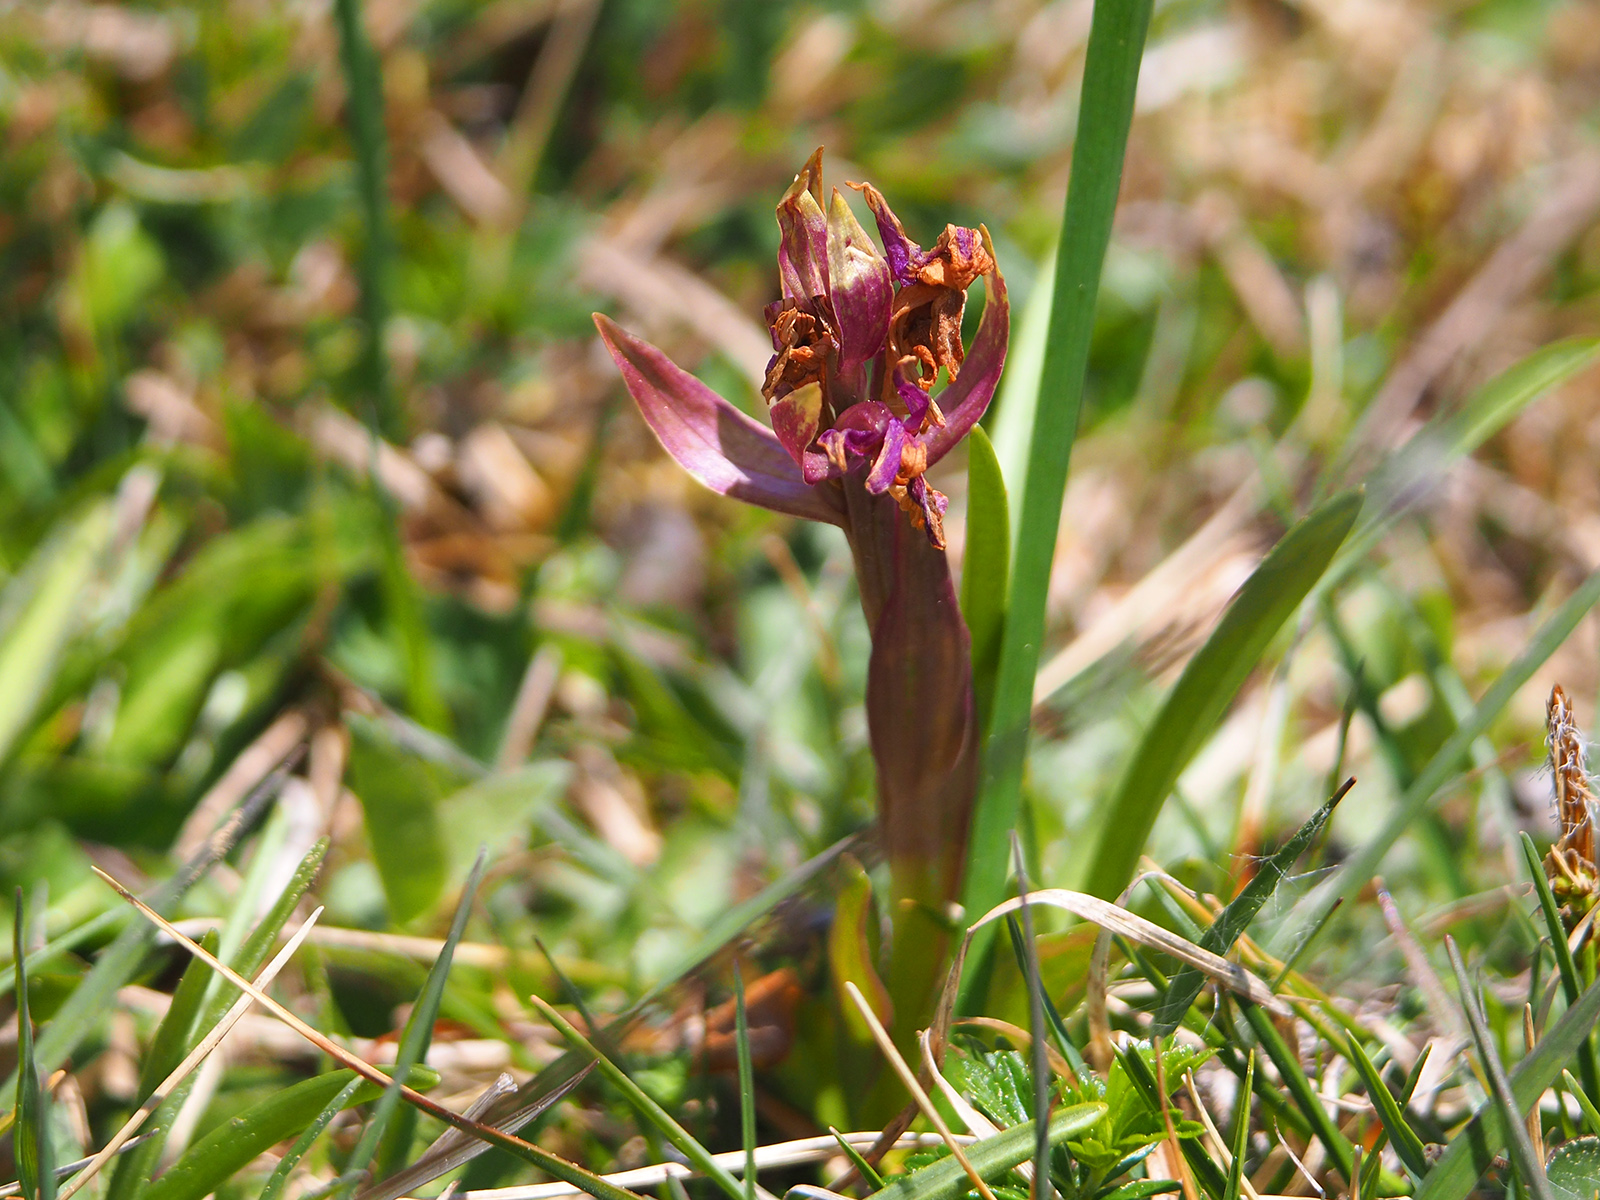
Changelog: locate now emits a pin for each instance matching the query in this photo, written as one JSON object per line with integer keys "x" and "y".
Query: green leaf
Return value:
{"x": 991, "y": 1158}
{"x": 226, "y": 1150}
{"x": 1236, "y": 917}
{"x": 1471, "y": 1151}
{"x": 1407, "y": 1145}
{"x": 1017, "y": 403}
{"x": 40, "y": 611}
{"x": 34, "y": 1153}
{"x": 1575, "y": 1167}
{"x": 1105, "y": 111}
{"x": 1360, "y": 866}
{"x": 850, "y": 954}
{"x": 1209, "y": 683}
{"x": 985, "y": 567}
{"x": 1138, "y": 1189}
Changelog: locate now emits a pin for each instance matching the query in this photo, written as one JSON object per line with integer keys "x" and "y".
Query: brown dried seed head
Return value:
{"x": 1574, "y": 800}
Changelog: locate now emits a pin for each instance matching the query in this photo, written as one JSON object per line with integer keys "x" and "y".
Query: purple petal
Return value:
{"x": 904, "y": 255}
{"x": 887, "y": 464}
{"x": 965, "y": 401}
{"x": 803, "y": 246}
{"x": 859, "y": 285}
{"x": 796, "y": 418}
{"x": 913, "y": 397}
{"x": 712, "y": 440}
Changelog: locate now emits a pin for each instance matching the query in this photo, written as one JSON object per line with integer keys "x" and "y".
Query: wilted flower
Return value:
{"x": 860, "y": 339}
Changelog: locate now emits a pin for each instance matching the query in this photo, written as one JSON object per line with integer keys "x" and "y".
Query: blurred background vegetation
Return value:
{"x": 511, "y": 621}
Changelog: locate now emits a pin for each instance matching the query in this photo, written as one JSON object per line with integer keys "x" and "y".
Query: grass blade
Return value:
{"x": 1111, "y": 74}
{"x": 1522, "y": 1155}
{"x": 1404, "y": 1139}
{"x": 1300, "y": 1090}
{"x": 866, "y": 1170}
{"x": 552, "y": 1164}
{"x": 747, "y": 1084}
{"x": 1211, "y": 1178}
{"x": 1209, "y": 683}
{"x": 985, "y": 567}
{"x": 181, "y": 1071}
{"x": 1038, "y": 1059}
{"x": 647, "y": 1108}
{"x": 1241, "y": 1131}
{"x": 280, "y": 1173}
{"x": 990, "y": 1158}
{"x": 364, "y": 86}
{"x": 1588, "y": 1065}
{"x": 226, "y": 1150}
{"x": 1591, "y": 1114}
{"x": 176, "y": 1031}
{"x": 135, "y": 1169}
{"x": 413, "y": 1048}
{"x": 1236, "y": 917}
{"x": 34, "y": 1153}
{"x": 1472, "y": 1151}
{"x": 1361, "y": 865}
{"x": 535, "y": 1096}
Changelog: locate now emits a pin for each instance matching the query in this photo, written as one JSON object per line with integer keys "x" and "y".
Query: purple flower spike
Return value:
{"x": 860, "y": 287}
{"x": 712, "y": 440}
{"x": 850, "y": 446}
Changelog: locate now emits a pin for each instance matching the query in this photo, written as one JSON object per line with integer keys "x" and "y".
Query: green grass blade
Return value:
{"x": 747, "y": 1085}
{"x": 1511, "y": 1113}
{"x": 866, "y": 1170}
{"x": 286, "y": 1165}
{"x": 135, "y": 1168}
{"x": 1241, "y": 1131}
{"x": 1407, "y": 1145}
{"x": 699, "y": 1157}
{"x": 174, "y": 1036}
{"x": 1236, "y": 917}
{"x": 1588, "y": 1065}
{"x": 533, "y": 1097}
{"x": 32, "y": 1147}
{"x": 1591, "y": 1114}
{"x": 1472, "y": 1151}
{"x": 1018, "y": 400}
{"x": 1410, "y": 473}
{"x": 58, "y": 579}
{"x": 1300, "y": 1090}
{"x": 990, "y": 1158}
{"x": 226, "y": 1150}
{"x": 985, "y": 567}
{"x": 1111, "y": 74}
{"x": 1361, "y": 865}
{"x": 1209, "y": 683}
{"x": 364, "y": 87}
{"x": 414, "y": 1042}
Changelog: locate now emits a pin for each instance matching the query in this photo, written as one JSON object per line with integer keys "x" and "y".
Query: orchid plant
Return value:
{"x": 861, "y": 338}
